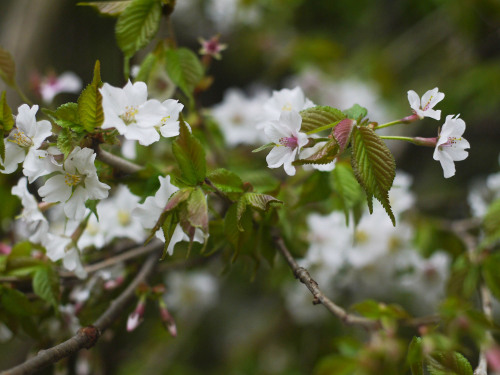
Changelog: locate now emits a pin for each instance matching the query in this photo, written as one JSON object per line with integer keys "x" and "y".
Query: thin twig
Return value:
{"x": 86, "y": 337}
{"x": 117, "y": 162}
{"x": 305, "y": 278}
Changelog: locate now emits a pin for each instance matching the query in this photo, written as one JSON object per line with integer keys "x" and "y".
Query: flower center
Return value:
{"x": 452, "y": 141}
{"x": 164, "y": 120}
{"x": 21, "y": 139}
{"x": 72, "y": 179}
{"x": 361, "y": 237}
{"x": 287, "y": 107}
{"x": 123, "y": 218}
{"x": 237, "y": 120}
{"x": 290, "y": 142}
{"x": 128, "y": 116}
{"x": 92, "y": 229}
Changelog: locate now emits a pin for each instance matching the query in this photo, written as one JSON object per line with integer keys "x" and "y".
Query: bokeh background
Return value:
{"x": 340, "y": 52}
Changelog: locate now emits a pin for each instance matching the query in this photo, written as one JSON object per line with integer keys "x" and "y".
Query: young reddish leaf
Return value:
{"x": 317, "y": 117}
{"x": 197, "y": 210}
{"x": 90, "y": 110}
{"x": 342, "y": 133}
{"x": 7, "y": 67}
{"x": 190, "y": 156}
{"x": 373, "y": 166}
{"x": 326, "y": 154}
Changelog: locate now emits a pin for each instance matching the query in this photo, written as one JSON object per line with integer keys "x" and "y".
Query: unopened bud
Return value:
{"x": 167, "y": 320}
{"x": 114, "y": 283}
{"x": 136, "y": 317}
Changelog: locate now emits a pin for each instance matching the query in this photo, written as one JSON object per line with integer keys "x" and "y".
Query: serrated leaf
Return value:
{"x": 68, "y": 112}
{"x": 90, "y": 110}
{"x": 415, "y": 356}
{"x": 342, "y": 133}
{"x": 241, "y": 239}
{"x": 226, "y": 181}
{"x": 261, "y": 202}
{"x": 66, "y": 141}
{"x": 6, "y": 118}
{"x": 325, "y": 155}
{"x": 190, "y": 156}
{"x": 184, "y": 69}
{"x": 46, "y": 285}
{"x": 449, "y": 364}
{"x": 346, "y": 187}
{"x": 373, "y": 166}
{"x": 197, "y": 210}
{"x": 110, "y": 8}
{"x": 318, "y": 117}
{"x": 356, "y": 112}
{"x": 7, "y": 67}
{"x": 137, "y": 25}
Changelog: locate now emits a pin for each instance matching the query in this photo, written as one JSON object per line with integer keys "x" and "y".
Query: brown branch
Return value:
{"x": 117, "y": 162}
{"x": 319, "y": 298}
{"x": 86, "y": 337}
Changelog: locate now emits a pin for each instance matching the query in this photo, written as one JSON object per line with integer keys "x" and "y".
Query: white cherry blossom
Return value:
{"x": 25, "y": 138}
{"x": 75, "y": 182}
{"x": 149, "y": 212}
{"x": 285, "y": 100}
{"x": 424, "y": 107}
{"x": 285, "y": 134}
{"x": 169, "y": 123}
{"x": 129, "y": 111}
{"x": 450, "y": 145}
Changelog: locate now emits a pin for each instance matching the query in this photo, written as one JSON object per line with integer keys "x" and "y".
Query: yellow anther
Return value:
{"x": 287, "y": 107}
{"x": 72, "y": 179}
{"x": 21, "y": 139}
{"x": 165, "y": 119}
{"x": 124, "y": 218}
{"x": 129, "y": 116}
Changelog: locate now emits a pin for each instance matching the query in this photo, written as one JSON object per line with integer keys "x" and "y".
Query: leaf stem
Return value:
{"x": 324, "y": 127}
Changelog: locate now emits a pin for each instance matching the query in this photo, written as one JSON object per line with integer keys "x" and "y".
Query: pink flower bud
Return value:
{"x": 493, "y": 358}
{"x": 114, "y": 283}
{"x": 5, "y": 249}
{"x": 136, "y": 317}
{"x": 168, "y": 320}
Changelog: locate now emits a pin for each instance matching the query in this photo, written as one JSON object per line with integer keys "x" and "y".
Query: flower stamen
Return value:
{"x": 129, "y": 116}
{"x": 72, "y": 179}
{"x": 21, "y": 139}
{"x": 290, "y": 142}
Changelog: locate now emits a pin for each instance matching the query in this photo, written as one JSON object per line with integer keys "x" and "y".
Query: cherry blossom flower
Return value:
{"x": 287, "y": 140}
{"x": 212, "y": 47}
{"x": 75, "y": 182}
{"x": 285, "y": 100}
{"x": 149, "y": 212}
{"x": 129, "y": 111}
{"x": 169, "y": 123}
{"x": 24, "y": 139}
{"x": 423, "y": 107}
{"x": 51, "y": 85}
{"x": 450, "y": 145}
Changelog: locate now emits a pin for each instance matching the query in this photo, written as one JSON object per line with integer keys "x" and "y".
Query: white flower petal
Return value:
{"x": 55, "y": 190}
{"x": 74, "y": 208}
{"x": 277, "y": 156}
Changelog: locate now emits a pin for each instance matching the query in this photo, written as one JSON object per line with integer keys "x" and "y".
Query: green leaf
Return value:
{"x": 491, "y": 274}
{"x": 190, "y": 156}
{"x": 326, "y": 154}
{"x": 66, "y": 141}
{"x": 373, "y": 166}
{"x": 449, "y": 364}
{"x": 90, "y": 109}
{"x": 315, "y": 188}
{"x": 15, "y": 302}
{"x": 46, "y": 285}
{"x": 7, "y": 68}
{"x": 91, "y": 204}
{"x": 197, "y": 210}
{"x": 260, "y": 202}
{"x": 168, "y": 228}
{"x": 356, "y": 112}
{"x": 226, "y": 181}
{"x": 239, "y": 233}
{"x": 346, "y": 187}
{"x": 146, "y": 67}
{"x": 2, "y": 150}
{"x": 415, "y": 356}
{"x": 6, "y": 118}
{"x": 137, "y": 25}
{"x": 68, "y": 112}
{"x": 320, "y": 116}
{"x": 110, "y": 8}
{"x": 184, "y": 69}
{"x": 491, "y": 224}
{"x": 377, "y": 310}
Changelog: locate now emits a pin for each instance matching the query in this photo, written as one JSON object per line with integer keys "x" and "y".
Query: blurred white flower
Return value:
{"x": 129, "y": 111}
{"x": 75, "y": 182}
{"x": 225, "y": 14}
{"x": 285, "y": 134}
{"x": 51, "y": 85}
{"x": 309, "y": 151}
{"x": 424, "y": 107}
{"x": 236, "y": 116}
{"x": 451, "y": 146}
{"x": 24, "y": 139}
{"x": 400, "y": 196}
{"x": 188, "y": 290}
{"x": 285, "y": 100}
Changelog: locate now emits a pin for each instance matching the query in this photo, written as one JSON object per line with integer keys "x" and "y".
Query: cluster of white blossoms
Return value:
{"x": 372, "y": 259}
{"x": 482, "y": 193}
{"x": 450, "y": 145}
{"x": 67, "y": 228}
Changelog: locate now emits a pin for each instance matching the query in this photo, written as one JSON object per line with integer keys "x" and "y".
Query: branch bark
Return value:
{"x": 86, "y": 337}
{"x": 117, "y": 162}
{"x": 319, "y": 298}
